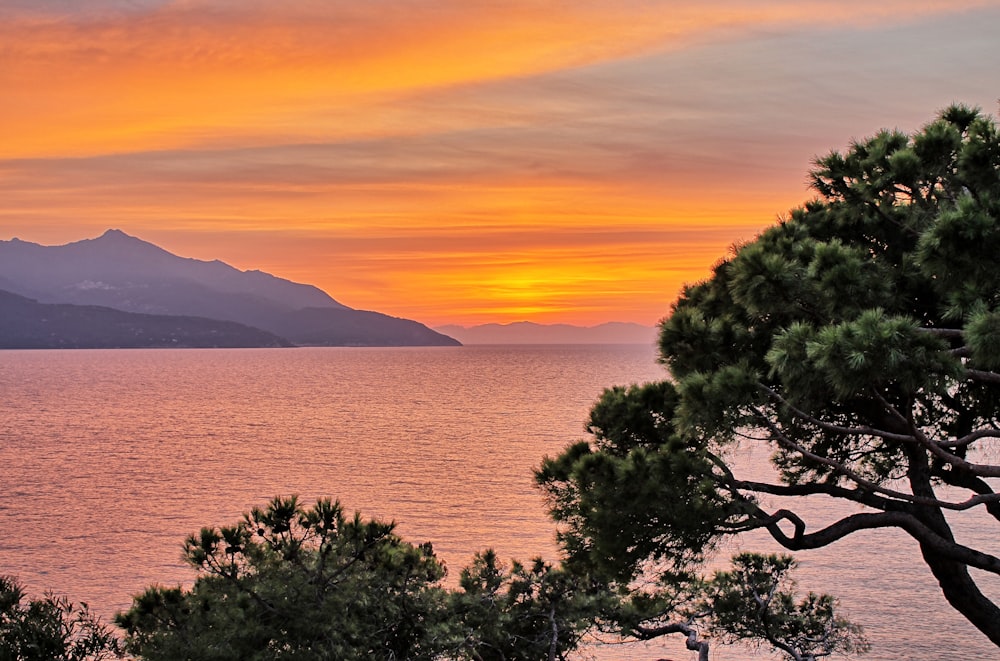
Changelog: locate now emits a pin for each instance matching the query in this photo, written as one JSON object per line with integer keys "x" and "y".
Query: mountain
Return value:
{"x": 28, "y": 324}
{"x": 526, "y": 332}
{"x": 347, "y": 327}
{"x": 125, "y": 273}
{"x": 117, "y": 268}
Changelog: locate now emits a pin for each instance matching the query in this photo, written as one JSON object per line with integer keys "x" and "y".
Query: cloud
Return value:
{"x": 434, "y": 152}
{"x": 163, "y": 75}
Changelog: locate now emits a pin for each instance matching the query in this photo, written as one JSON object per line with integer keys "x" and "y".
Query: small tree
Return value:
{"x": 291, "y": 582}
{"x": 50, "y": 629}
{"x": 857, "y": 342}
{"x": 521, "y": 613}
{"x": 755, "y": 603}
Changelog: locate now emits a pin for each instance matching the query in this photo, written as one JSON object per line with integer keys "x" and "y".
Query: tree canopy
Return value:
{"x": 309, "y": 583}
{"x": 520, "y": 612}
{"x": 295, "y": 582}
{"x": 857, "y": 341}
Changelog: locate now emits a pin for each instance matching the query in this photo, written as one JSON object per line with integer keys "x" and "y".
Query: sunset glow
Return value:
{"x": 459, "y": 161}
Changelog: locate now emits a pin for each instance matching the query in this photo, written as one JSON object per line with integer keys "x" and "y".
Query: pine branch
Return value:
{"x": 782, "y": 439}
{"x": 937, "y": 450}
{"x": 868, "y": 521}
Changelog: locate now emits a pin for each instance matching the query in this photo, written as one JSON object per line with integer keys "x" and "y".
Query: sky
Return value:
{"x": 461, "y": 161}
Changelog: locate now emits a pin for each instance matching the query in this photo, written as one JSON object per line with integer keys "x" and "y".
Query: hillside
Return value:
{"x": 28, "y": 324}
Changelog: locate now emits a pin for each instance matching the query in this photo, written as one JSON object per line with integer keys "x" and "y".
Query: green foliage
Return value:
{"x": 856, "y": 343}
{"x": 596, "y": 493}
{"x": 522, "y": 613}
{"x": 872, "y": 350}
{"x": 50, "y": 629}
{"x": 626, "y": 418}
{"x": 756, "y": 603}
{"x": 289, "y": 582}
{"x": 983, "y": 337}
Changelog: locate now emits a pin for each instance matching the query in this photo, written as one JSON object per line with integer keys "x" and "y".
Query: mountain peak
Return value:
{"x": 117, "y": 236}
{"x": 115, "y": 246}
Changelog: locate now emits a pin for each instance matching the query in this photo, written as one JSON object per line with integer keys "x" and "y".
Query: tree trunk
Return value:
{"x": 953, "y": 576}
{"x": 964, "y": 595}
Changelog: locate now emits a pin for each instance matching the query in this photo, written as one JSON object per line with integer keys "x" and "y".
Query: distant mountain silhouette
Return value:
{"x": 526, "y": 332}
{"x": 27, "y": 324}
{"x": 123, "y": 272}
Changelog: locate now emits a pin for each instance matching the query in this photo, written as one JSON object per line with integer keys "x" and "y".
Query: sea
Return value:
{"x": 109, "y": 458}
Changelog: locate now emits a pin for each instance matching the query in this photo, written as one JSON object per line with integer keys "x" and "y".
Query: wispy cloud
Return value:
{"x": 429, "y": 158}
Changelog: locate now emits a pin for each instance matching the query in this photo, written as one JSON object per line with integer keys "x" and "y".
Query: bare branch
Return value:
{"x": 943, "y": 332}
{"x": 969, "y": 439}
{"x": 799, "y": 540}
{"x": 936, "y": 449}
{"x": 982, "y": 375}
{"x": 971, "y": 482}
{"x": 692, "y": 643}
{"x": 860, "y": 496}
{"x": 863, "y": 430}
{"x": 841, "y": 469}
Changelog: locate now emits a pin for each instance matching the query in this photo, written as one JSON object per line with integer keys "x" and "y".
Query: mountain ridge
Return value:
{"x": 529, "y": 332}
{"x": 122, "y": 272}
{"x": 122, "y": 258}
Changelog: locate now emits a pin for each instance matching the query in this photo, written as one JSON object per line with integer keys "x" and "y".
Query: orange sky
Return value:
{"x": 460, "y": 161}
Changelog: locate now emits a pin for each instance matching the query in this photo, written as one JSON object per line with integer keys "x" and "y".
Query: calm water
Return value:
{"x": 109, "y": 458}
